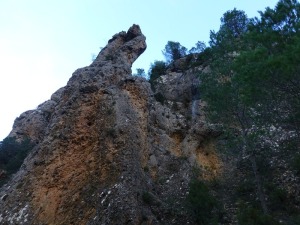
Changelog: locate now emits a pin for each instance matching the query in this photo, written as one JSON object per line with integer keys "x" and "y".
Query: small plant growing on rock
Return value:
{"x": 12, "y": 155}
{"x": 157, "y": 69}
{"x": 200, "y": 202}
{"x": 140, "y": 73}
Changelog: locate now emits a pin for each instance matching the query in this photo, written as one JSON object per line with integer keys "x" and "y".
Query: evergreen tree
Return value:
{"x": 254, "y": 79}
{"x": 200, "y": 47}
{"x": 157, "y": 69}
{"x": 234, "y": 24}
{"x": 173, "y": 51}
{"x": 12, "y": 155}
{"x": 268, "y": 70}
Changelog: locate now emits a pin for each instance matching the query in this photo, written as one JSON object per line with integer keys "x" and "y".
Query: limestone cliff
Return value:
{"x": 106, "y": 151}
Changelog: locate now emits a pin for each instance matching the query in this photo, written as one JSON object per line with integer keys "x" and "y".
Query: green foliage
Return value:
{"x": 267, "y": 71}
{"x": 296, "y": 163}
{"x": 201, "y": 203}
{"x": 249, "y": 215}
{"x": 254, "y": 72}
{"x": 204, "y": 57}
{"x": 140, "y": 73}
{"x": 253, "y": 82}
{"x": 278, "y": 199}
{"x": 13, "y": 153}
{"x": 200, "y": 47}
{"x": 245, "y": 188}
{"x": 283, "y": 19}
{"x": 217, "y": 86}
{"x": 157, "y": 69}
{"x": 296, "y": 219}
{"x": 233, "y": 26}
{"x": 173, "y": 51}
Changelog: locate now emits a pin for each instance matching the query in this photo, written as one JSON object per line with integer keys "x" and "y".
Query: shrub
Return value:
{"x": 245, "y": 188}
{"x": 201, "y": 203}
{"x": 157, "y": 69}
{"x": 173, "y": 51}
{"x": 250, "y": 215}
{"x": 296, "y": 163}
{"x": 140, "y": 73}
{"x": 278, "y": 198}
{"x": 12, "y": 155}
{"x": 296, "y": 219}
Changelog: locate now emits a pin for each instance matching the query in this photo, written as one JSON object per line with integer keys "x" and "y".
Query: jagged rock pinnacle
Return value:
{"x": 111, "y": 65}
{"x": 124, "y": 47}
{"x": 113, "y": 62}
{"x": 102, "y": 142}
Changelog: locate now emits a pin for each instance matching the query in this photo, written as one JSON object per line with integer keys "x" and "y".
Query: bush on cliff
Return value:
{"x": 12, "y": 154}
{"x": 200, "y": 202}
{"x": 157, "y": 69}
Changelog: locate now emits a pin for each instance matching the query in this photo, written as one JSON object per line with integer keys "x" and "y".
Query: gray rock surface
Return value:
{"x": 107, "y": 152}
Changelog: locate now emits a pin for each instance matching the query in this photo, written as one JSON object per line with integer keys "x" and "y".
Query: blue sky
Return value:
{"x": 42, "y": 42}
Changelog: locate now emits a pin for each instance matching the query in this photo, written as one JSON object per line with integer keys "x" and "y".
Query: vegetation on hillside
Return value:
{"x": 252, "y": 90}
{"x": 12, "y": 155}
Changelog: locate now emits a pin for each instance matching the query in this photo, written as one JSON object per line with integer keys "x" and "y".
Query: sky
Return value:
{"x": 42, "y": 42}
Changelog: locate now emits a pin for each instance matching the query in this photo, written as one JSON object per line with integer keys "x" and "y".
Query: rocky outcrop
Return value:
{"x": 33, "y": 123}
{"x": 107, "y": 152}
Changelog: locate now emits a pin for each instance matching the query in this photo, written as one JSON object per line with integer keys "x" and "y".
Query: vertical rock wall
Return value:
{"x": 107, "y": 152}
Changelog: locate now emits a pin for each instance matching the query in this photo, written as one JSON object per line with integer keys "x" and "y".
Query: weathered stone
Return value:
{"x": 30, "y": 124}
{"x": 47, "y": 107}
{"x": 103, "y": 142}
{"x": 4, "y": 197}
{"x": 56, "y": 96}
{"x": 153, "y": 161}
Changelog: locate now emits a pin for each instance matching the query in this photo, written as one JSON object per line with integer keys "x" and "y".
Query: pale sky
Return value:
{"x": 42, "y": 42}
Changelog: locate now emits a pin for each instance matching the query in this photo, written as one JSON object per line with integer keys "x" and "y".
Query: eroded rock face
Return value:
{"x": 107, "y": 152}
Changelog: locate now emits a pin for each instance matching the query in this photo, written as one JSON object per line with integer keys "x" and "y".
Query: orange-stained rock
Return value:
{"x": 103, "y": 141}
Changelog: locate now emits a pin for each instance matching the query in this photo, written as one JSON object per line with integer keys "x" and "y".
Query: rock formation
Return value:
{"x": 106, "y": 151}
